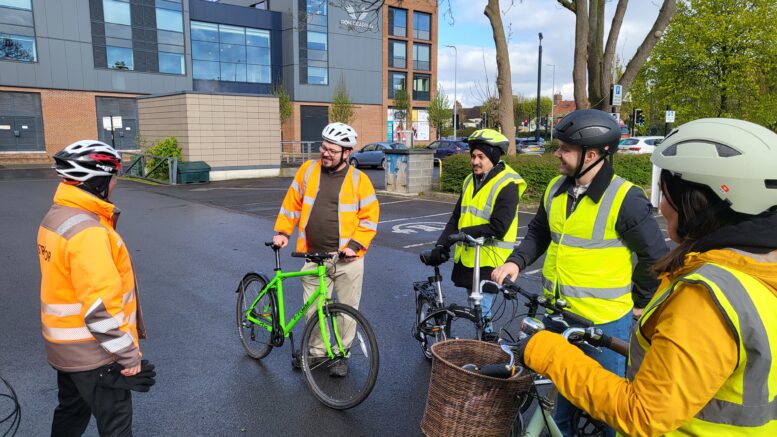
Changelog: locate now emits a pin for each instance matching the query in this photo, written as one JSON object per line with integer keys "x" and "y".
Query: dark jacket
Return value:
{"x": 636, "y": 226}
{"x": 505, "y": 208}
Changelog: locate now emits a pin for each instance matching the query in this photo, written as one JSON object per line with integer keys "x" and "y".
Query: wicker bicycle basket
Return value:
{"x": 463, "y": 403}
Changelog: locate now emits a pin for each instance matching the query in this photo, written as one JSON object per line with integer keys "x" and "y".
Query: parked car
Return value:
{"x": 530, "y": 146}
{"x": 443, "y": 148}
{"x": 636, "y": 145}
{"x": 372, "y": 154}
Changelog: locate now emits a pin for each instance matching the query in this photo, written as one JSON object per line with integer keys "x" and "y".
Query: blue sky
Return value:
{"x": 471, "y": 33}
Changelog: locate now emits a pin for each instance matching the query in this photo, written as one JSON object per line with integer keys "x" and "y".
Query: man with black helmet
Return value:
{"x": 590, "y": 224}
{"x": 487, "y": 207}
{"x": 90, "y": 308}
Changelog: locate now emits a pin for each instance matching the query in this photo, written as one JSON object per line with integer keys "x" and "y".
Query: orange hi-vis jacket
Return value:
{"x": 357, "y": 208}
{"x": 89, "y": 303}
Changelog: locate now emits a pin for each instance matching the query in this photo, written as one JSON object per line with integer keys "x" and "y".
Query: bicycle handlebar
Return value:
{"x": 511, "y": 290}
{"x": 462, "y": 237}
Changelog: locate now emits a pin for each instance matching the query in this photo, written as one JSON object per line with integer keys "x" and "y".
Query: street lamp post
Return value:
{"x": 455, "y": 65}
{"x": 553, "y": 102}
{"x": 539, "y": 82}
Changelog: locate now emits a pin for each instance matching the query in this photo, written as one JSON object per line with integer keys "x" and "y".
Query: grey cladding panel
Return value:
{"x": 16, "y": 17}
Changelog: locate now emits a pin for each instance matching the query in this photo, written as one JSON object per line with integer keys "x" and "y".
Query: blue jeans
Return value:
{"x": 485, "y": 308}
{"x": 610, "y": 360}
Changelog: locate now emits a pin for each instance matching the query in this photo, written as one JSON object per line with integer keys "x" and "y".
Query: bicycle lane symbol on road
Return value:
{"x": 413, "y": 228}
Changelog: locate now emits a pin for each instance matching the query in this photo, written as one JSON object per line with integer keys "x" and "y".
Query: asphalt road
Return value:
{"x": 190, "y": 246}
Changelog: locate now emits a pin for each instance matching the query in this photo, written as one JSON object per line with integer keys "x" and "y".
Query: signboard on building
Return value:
{"x": 418, "y": 124}
{"x": 389, "y": 130}
{"x": 359, "y": 14}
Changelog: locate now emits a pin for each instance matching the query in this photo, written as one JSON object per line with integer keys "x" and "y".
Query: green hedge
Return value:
{"x": 538, "y": 170}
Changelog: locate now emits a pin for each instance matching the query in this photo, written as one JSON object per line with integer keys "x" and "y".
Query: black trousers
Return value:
{"x": 80, "y": 398}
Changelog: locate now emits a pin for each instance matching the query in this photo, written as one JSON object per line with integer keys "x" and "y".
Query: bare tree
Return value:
{"x": 595, "y": 57}
{"x": 504, "y": 83}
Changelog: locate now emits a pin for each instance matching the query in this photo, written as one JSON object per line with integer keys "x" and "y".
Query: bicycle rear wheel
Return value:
{"x": 346, "y": 380}
{"x": 432, "y": 330}
{"x": 256, "y": 339}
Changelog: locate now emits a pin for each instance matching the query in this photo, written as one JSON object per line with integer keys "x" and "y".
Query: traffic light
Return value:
{"x": 640, "y": 118}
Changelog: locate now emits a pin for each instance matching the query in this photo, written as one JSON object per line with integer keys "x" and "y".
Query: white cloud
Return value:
{"x": 472, "y": 36}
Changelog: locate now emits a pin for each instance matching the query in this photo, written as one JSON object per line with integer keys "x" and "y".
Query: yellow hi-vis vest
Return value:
{"x": 476, "y": 210}
{"x": 746, "y": 404}
{"x": 587, "y": 263}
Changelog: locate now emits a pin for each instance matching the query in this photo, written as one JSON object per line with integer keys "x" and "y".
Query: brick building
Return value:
{"x": 69, "y": 68}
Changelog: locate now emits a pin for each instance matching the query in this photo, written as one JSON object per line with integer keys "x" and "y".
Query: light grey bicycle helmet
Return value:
{"x": 340, "y": 134}
{"x": 737, "y": 159}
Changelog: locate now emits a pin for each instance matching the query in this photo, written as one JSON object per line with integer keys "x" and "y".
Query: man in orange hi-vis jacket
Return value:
{"x": 337, "y": 211}
{"x": 90, "y": 312}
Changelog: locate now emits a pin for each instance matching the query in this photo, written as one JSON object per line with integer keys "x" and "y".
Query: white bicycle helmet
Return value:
{"x": 340, "y": 134}
{"x": 735, "y": 158}
{"x": 86, "y": 159}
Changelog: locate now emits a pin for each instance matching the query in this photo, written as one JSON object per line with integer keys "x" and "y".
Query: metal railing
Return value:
{"x": 150, "y": 167}
{"x": 297, "y": 152}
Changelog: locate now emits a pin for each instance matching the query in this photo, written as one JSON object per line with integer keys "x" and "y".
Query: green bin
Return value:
{"x": 193, "y": 172}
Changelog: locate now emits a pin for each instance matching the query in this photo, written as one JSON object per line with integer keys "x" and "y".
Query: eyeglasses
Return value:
{"x": 327, "y": 151}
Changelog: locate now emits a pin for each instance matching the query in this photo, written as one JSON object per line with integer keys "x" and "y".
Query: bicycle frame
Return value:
{"x": 319, "y": 296}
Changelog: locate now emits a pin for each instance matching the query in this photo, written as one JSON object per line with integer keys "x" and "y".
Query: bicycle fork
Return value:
{"x": 543, "y": 415}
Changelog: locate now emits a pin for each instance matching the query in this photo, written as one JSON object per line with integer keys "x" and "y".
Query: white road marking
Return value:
{"x": 416, "y": 245}
{"x": 239, "y": 188}
{"x": 412, "y": 218}
{"x": 396, "y": 201}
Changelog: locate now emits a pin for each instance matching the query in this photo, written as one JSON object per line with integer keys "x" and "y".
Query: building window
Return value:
{"x": 317, "y": 7}
{"x": 116, "y": 12}
{"x": 264, "y": 5}
{"x": 422, "y": 26}
{"x": 169, "y": 20}
{"x": 17, "y": 4}
{"x": 17, "y": 48}
{"x": 120, "y": 58}
{"x": 230, "y": 53}
{"x": 421, "y": 87}
{"x": 397, "y": 81}
{"x": 317, "y": 41}
{"x": 171, "y": 63}
{"x": 421, "y": 55}
{"x": 397, "y": 22}
{"x": 318, "y": 76}
{"x": 397, "y": 54}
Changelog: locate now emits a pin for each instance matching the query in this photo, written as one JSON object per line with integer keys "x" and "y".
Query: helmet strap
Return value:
{"x": 579, "y": 172}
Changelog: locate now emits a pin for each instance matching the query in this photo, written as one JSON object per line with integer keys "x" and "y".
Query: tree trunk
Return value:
{"x": 665, "y": 15}
{"x": 595, "y": 52}
{"x": 581, "y": 53}
{"x": 503, "y": 81}
{"x": 609, "y": 53}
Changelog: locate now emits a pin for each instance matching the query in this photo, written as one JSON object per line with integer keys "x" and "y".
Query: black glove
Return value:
{"x": 520, "y": 350}
{"x": 110, "y": 377}
{"x": 440, "y": 254}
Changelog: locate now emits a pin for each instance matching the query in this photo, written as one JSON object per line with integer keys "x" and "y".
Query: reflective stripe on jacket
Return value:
{"x": 746, "y": 404}
{"x": 357, "y": 208}
{"x": 89, "y": 306}
{"x": 476, "y": 209}
{"x": 586, "y": 262}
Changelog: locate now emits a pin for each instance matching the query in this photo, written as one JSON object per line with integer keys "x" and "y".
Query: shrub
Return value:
{"x": 539, "y": 170}
{"x": 167, "y": 147}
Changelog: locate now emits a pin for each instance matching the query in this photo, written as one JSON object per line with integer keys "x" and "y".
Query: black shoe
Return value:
{"x": 340, "y": 368}
{"x": 296, "y": 360}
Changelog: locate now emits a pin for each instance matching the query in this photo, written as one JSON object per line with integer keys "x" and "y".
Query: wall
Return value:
{"x": 238, "y": 136}
{"x": 368, "y": 123}
{"x": 68, "y": 116}
{"x": 65, "y": 59}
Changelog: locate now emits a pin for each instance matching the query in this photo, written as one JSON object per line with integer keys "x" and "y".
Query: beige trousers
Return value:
{"x": 344, "y": 278}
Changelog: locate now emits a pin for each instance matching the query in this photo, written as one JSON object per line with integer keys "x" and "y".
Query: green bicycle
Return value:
{"x": 336, "y": 336}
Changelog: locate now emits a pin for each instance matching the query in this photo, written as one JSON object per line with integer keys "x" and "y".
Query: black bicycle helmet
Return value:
{"x": 90, "y": 163}
{"x": 589, "y": 129}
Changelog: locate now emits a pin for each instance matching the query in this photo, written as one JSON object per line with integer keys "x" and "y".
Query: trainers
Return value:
{"x": 340, "y": 368}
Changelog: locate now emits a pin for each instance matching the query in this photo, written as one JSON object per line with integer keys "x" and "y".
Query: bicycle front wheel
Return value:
{"x": 347, "y": 379}
{"x": 257, "y": 340}
{"x": 430, "y": 330}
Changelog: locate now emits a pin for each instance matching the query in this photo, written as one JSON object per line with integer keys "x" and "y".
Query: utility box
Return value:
{"x": 193, "y": 172}
{"x": 409, "y": 171}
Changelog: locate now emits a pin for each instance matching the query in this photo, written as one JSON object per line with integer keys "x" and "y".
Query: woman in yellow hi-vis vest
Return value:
{"x": 487, "y": 207}
{"x": 701, "y": 359}
{"x": 590, "y": 225}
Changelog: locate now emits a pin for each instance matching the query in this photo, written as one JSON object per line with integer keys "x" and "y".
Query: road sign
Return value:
{"x": 670, "y": 116}
{"x": 616, "y": 96}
